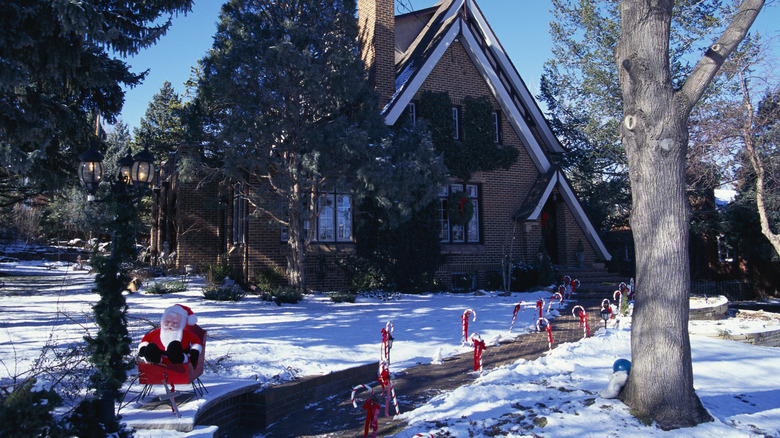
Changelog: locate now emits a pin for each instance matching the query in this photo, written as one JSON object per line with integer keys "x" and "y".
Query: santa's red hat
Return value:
{"x": 187, "y": 315}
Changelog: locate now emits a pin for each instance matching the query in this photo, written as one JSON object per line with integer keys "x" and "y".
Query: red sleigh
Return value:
{"x": 174, "y": 374}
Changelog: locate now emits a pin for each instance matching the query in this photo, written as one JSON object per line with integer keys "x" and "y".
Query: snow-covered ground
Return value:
{"x": 254, "y": 341}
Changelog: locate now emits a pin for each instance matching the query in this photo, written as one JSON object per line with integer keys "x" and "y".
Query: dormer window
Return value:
{"x": 455, "y": 120}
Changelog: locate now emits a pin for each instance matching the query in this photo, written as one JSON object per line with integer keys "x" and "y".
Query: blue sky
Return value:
{"x": 522, "y": 26}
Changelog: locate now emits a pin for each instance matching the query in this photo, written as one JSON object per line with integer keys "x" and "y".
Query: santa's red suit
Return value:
{"x": 172, "y": 339}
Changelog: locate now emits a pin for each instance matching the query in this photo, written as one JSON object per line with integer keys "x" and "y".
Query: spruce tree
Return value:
{"x": 285, "y": 100}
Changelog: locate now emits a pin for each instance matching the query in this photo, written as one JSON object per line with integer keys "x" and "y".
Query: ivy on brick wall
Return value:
{"x": 477, "y": 151}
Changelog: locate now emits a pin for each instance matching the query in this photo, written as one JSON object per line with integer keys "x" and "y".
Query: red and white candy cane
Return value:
{"x": 618, "y": 297}
{"x": 550, "y": 302}
{"x": 518, "y": 306}
{"x": 540, "y": 306}
{"x": 580, "y": 311}
{"x": 548, "y": 327}
{"x": 372, "y": 417}
{"x": 479, "y": 347}
{"x": 389, "y": 390}
{"x": 565, "y": 288}
{"x": 575, "y": 284}
{"x": 354, "y": 390}
{"x": 384, "y": 352}
{"x": 464, "y": 324}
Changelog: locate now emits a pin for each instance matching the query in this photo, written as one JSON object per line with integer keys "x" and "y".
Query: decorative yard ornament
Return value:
{"x": 540, "y": 306}
{"x": 606, "y": 312}
{"x": 518, "y": 307}
{"x": 544, "y": 324}
{"x": 479, "y": 347}
{"x": 464, "y": 324}
{"x": 580, "y": 311}
{"x": 621, "y": 365}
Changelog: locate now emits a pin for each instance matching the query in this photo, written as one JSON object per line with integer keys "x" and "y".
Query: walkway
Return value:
{"x": 416, "y": 386}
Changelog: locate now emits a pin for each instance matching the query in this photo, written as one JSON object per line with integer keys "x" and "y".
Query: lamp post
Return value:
{"x": 605, "y": 314}
{"x": 112, "y": 343}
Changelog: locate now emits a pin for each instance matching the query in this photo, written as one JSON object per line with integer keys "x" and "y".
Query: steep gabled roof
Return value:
{"x": 540, "y": 193}
{"x": 462, "y": 20}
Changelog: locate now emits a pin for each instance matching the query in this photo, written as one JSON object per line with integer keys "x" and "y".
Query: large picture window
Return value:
{"x": 334, "y": 221}
{"x": 450, "y": 230}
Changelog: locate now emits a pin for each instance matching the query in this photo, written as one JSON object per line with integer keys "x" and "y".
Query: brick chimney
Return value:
{"x": 376, "y": 21}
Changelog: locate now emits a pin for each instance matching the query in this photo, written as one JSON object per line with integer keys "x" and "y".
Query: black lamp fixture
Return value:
{"x": 137, "y": 172}
{"x": 605, "y": 314}
{"x": 90, "y": 169}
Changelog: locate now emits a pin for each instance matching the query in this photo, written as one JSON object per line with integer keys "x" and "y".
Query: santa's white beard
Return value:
{"x": 168, "y": 336}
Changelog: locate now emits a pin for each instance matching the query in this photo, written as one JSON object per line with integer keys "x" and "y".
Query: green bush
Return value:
{"x": 495, "y": 281}
{"x": 523, "y": 277}
{"x": 267, "y": 278}
{"x": 219, "y": 293}
{"x": 463, "y": 282}
{"x": 26, "y": 412}
{"x": 165, "y": 287}
{"x": 286, "y": 294}
{"x": 217, "y": 273}
{"x": 342, "y": 297}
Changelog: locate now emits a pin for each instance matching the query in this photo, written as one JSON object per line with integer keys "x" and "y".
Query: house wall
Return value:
{"x": 503, "y": 191}
{"x": 197, "y": 225}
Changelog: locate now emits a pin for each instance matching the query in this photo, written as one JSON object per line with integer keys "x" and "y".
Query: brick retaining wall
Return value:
{"x": 254, "y": 407}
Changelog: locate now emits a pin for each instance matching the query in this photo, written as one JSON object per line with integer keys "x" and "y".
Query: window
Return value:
{"x": 239, "y": 218}
{"x": 725, "y": 251}
{"x": 452, "y": 232}
{"x": 411, "y": 109}
{"x": 334, "y": 222}
{"x": 455, "y": 121}
{"x": 497, "y": 127}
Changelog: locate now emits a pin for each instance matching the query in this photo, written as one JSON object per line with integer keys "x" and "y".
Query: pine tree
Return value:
{"x": 284, "y": 95}
{"x": 59, "y": 67}
{"x": 162, "y": 127}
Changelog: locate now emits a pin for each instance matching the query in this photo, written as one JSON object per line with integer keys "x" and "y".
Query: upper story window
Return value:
{"x": 411, "y": 109}
{"x": 496, "y": 127}
{"x": 456, "y": 120}
{"x": 449, "y": 229}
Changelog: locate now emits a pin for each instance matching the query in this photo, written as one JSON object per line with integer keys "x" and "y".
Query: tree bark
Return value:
{"x": 655, "y": 136}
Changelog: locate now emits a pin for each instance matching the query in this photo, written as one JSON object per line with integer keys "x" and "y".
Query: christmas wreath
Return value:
{"x": 459, "y": 208}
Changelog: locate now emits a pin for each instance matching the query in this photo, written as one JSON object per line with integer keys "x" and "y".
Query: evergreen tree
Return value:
{"x": 162, "y": 128}
{"x": 288, "y": 110}
{"x": 58, "y": 68}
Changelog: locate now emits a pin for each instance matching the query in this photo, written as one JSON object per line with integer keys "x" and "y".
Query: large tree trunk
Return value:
{"x": 296, "y": 258}
{"x": 655, "y": 136}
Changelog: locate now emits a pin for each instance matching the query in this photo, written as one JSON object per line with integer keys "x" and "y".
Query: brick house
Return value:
{"x": 448, "y": 47}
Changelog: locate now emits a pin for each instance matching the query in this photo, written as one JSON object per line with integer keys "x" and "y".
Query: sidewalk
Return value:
{"x": 415, "y": 386}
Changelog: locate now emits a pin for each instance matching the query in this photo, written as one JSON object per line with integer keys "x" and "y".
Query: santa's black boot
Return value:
{"x": 151, "y": 353}
{"x": 175, "y": 352}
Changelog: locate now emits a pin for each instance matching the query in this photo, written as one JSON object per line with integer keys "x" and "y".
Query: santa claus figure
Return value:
{"x": 173, "y": 342}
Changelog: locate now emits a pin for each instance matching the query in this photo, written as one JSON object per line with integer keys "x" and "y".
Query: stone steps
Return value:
{"x": 595, "y": 282}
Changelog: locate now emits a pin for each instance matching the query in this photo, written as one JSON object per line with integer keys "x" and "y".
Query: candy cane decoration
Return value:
{"x": 549, "y": 303}
{"x": 354, "y": 390}
{"x": 518, "y": 306}
{"x": 372, "y": 417}
{"x": 384, "y": 352}
{"x": 479, "y": 347}
{"x": 540, "y": 306}
{"x": 575, "y": 284}
{"x": 464, "y": 324}
{"x": 566, "y": 286}
{"x": 547, "y": 327}
{"x": 580, "y": 311}
{"x": 618, "y": 297}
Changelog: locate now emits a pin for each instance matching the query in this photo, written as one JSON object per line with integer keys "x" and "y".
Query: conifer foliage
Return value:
{"x": 285, "y": 100}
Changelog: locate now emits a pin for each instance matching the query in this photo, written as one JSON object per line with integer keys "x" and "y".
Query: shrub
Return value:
{"x": 222, "y": 293}
{"x": 217, "y": 273}
{"x": 286, "y": 294}
{"x": 165, "y": 287}
{"x": 463, "y": 282}
{"x": 523, "y": 277}
{"x": 267, "y": 278}
{"x": 342, "y": 297}
{"x": 27, "y": 412}
{"x": 495, "y": 281}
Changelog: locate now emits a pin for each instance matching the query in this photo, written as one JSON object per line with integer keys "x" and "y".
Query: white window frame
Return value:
{"x": 456, "y": 120}
{"x": 449, "y": 233}
{"x": 240, "y": 208}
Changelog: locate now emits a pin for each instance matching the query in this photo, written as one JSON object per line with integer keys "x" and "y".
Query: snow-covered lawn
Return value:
{"x": 557, "y": 395}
